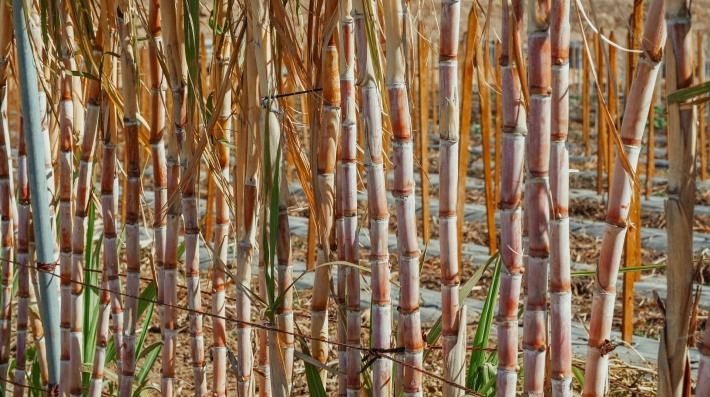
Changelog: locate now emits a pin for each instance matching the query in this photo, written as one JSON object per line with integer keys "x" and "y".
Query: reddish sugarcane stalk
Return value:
{"x": 171, "y": 17}
{"x": 327, "y": 136}
{"x": 537, "y": 205}
{"x": 673, "y": 352}
{"x": 221, "y": 215}
{"x": 348, "y": 174}
{"x": 405, "y": 205}
{"x": 84, "y": 182}
{"x": 109, "y": 191}
{"x": 23, "y": 259}
{"x": 66, "y": 214}
{"x": 131, "y": 196}
{"x": 157, "y": 146}
{"x": 703, "y": 386}
{"x": 6, "y": 203}
{"x": 454, "y": 349}
{"x": 631, "y": 134}
{"x": 560, "y": 278}
{"x": 247, "y": 243}
{"x": 511, "y": 184}
{"x": 378, "y": 213}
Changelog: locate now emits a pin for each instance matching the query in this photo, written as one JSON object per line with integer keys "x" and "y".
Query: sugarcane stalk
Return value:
{"x": 131, "y": 197}
{"x": 405, "y": 206}
{"x": 378, "y": 212}
{"x": 348, "y": 175}
{"x": 109, "y": 187}
{"x": 171, "y": 16}
{"x": 631, "y": 134}
{"x": 6, "y": 208}
{"x": 453, "y": 348}
{"x": 221, "y": 214}
{"x": 27, "y": 78}
{"x": 23, "y": 261}
{"x": 560, "y": 277}
{"x": 247, "y": 243}
{"x": 157, "y": 146}
{"x": 66, "y": 189}
{"x": 673, "y": 351}
{"x": 510, "y": 205}
{"x": 537, "y": 205}
{"x": 83, "y": 191}
{"x": 189, "y": 36}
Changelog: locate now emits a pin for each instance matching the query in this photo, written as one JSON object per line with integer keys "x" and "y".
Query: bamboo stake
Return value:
{"x": 423, "y": 138}
{"x": 170, "y": 19}
{"x": 512, "y": 154}
{"x": 220, "y": 240}
{"x": 612, "y": 96}
{"x": 348, "y": 242}
{"x": 453, "y": 348}
{"x": 38, "y": 186}
{"x": 484, "y": 93}
{"x": 405, "y": 203}
{"x": 650, "y": 148}
{"x": 673, "y": 351}
{"x": 469, "y": 48}
{"x": 537, "y": 205}
{"x": 560, "y": 279}
{"x": 619, "y": 201}
{"x": 702, "y": 110}
{"x": 601, "y": 120}
{"x": 586, "y": 105}
{"x": 499, "y": 123}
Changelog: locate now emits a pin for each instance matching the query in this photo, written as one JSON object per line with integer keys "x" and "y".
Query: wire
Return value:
{"x": 266, "y": 327}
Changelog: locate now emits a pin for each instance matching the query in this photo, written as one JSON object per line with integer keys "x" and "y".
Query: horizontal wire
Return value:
{"x": 266, "y": 327}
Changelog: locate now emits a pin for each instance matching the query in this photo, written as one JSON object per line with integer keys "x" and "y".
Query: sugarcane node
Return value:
{"x": 606, "y": 347}
{"x": 620, "y": 223}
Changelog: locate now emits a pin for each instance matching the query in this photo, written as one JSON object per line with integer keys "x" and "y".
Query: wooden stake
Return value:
{"x": 423, "y": 141}
{"x": 601, "y": 120}
{"x": 612, "y": 104}
{"x": 465, "y": 123}
{"x": 499, "y": 122}
{"x": 585, "y": 106}
{"x": 650, "y": 154}
{"x": 701, "y": 114}
{"x": 483, "y": 65}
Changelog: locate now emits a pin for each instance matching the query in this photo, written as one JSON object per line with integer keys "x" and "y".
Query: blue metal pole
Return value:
{"x": 29, "y": 95}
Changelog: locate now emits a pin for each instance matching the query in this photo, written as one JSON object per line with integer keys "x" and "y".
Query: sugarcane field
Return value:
{"x": 384, "y": 198}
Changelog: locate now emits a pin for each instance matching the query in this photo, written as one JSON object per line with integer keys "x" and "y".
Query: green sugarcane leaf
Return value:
{"x": 474, "y": 378}
{"x": 588, "y": 273}
{"x": 688, "y": 93}
{"x": 151, "y": 354}
{"x": 146, "y": 325}
{"x": 435, "y": 331}
{"x": 148, "y": 294}
{"x": 315, "y": 383}
{"x": 579, "y": 375}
